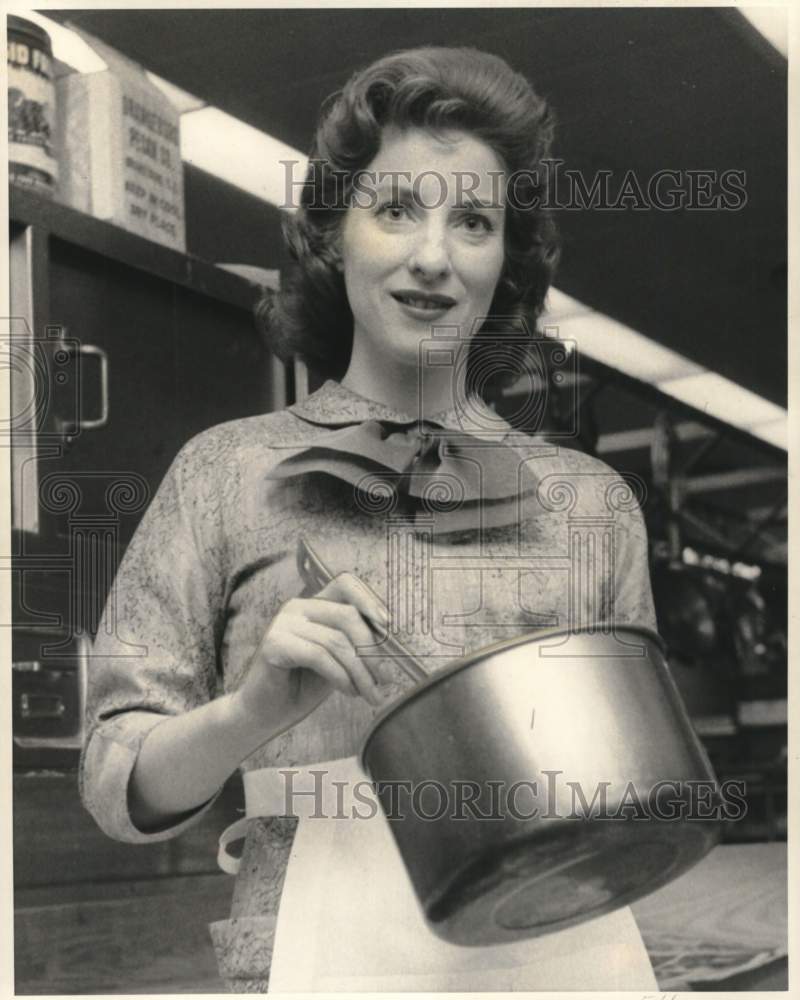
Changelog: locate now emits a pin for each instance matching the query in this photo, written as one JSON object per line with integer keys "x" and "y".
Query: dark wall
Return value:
{"x": 227, "y": 225}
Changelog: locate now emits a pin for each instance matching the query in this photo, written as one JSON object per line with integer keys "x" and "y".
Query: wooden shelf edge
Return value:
{"x": 116, "y": 243}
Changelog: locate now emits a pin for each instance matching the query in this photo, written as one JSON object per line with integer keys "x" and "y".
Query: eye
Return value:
{"x": 393, "y": 211}
{"x": 473, "y": 222}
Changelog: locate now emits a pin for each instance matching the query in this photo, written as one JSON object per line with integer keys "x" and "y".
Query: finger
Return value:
{"x": 341, "y": 648}
{"x": 348, "y": 618}
{"x": 316, "y": 657}
{"x": 350, "y": 589}
{"x": 363, "y": 638}
{"x": 340, "y": 616}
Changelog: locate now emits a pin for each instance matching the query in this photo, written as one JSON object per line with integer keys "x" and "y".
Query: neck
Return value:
{"x": 418, "y": 390}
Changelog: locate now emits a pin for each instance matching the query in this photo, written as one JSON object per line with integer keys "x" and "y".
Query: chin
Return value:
{"x": 405, "y": 343}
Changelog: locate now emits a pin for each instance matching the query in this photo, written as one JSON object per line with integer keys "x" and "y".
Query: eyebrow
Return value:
{"x": 393, "y": 180}
{"x": 473, "y": 202}
{"x": 399, "y": 185}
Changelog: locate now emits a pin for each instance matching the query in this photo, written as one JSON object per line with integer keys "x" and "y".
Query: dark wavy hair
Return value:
{"x": 436, "y": 89}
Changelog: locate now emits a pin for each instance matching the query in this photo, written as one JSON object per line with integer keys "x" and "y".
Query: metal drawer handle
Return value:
{"x": 92, "y": 350}
{"x": 38, "y": 706}
{"x": 27, "y": 666}
{"x": 42, "y": 706}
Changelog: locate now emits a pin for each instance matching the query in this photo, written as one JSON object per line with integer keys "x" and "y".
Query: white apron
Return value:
{"x": 349, "y": 920}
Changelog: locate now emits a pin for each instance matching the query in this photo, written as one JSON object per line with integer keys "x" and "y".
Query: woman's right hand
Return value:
{"x": 308, "y": 650}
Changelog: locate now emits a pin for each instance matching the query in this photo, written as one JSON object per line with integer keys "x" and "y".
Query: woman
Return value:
{"x": 417, "y": 224}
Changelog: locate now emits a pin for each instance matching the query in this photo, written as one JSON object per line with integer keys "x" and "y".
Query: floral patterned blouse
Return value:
{"x": 214, "y": 558}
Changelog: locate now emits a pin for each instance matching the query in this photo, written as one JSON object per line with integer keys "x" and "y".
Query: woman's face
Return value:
{"x": 423, "y": 241}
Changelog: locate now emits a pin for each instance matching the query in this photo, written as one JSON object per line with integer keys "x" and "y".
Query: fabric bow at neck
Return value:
{"x": 448, "y": 480}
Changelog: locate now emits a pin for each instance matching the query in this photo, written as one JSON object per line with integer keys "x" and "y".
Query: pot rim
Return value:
{"x": 496, "y": 647}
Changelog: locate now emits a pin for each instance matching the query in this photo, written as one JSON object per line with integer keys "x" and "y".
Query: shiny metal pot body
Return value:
{"x": 541, "y": 782}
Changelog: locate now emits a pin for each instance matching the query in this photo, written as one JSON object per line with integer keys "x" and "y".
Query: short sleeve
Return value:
{"x": 155, "y": 654}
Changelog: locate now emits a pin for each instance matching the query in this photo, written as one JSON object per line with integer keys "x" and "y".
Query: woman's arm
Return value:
{"x": 185, "y": 759}
{"x": 160, "y": 737}
{"x": 154, "y": 657}
{"x": 308, "y": 649}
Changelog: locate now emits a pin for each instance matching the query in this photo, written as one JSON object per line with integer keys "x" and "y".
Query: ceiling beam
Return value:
{"x": 642, "y": 437}
{"x": 735, "y": 478}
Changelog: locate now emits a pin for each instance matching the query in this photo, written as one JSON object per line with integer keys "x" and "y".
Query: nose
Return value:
{"x": 430, "y": 256}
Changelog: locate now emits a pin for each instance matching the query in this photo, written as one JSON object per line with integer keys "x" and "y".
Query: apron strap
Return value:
{"x": 228, "y": 862}
{"x": 307, "y": 791}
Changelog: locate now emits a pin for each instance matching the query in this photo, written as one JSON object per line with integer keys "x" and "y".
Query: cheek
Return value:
{"x": 356, "y": 269}
{"x": 368, "y": 254}
{"x": 484, "y": 271}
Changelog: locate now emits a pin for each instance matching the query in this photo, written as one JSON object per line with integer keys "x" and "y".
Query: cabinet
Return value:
{"x": 120, "y": 351}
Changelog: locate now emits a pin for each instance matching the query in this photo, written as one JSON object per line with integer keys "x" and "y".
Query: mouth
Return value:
{"x": 423, "y": 302}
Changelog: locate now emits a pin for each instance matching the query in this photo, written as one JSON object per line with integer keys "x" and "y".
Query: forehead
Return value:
{"x": 460, "y": 160}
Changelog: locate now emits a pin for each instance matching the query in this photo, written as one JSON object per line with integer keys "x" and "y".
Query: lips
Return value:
{"x": 423, "y": 301}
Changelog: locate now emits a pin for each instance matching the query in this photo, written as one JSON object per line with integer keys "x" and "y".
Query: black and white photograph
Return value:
{"x": 396, "y": 435}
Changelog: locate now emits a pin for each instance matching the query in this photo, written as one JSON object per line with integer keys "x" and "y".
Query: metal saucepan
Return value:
{"x": 541, "y": 782}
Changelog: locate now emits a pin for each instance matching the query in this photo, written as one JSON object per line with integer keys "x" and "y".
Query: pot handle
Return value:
{"x": 316, "y": 574}
{"x": 311, "y": 568}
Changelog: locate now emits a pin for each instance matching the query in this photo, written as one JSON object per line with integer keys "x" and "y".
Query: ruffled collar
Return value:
{"x": 451, "y": 471}
{"x": 336, "y": 405}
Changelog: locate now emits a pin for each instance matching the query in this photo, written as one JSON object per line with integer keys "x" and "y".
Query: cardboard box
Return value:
{"x": 119, "y": 149}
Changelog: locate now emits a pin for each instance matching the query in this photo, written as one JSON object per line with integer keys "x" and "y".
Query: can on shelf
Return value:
{"x": 31, "y": 106}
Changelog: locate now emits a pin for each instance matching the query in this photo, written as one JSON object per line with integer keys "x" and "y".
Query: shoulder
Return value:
{"x": 216, "y": 469}
{"x": 590, "y": 470}
{"x": 248, "y": 443}
{"x": 263, "y": 431}
{"x": 214, "y": 486}
{"x": 550, "y": 457}
{"x": 571, "y": 480}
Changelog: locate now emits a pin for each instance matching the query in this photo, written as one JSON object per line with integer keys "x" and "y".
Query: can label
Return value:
{"x": 31, "y": 96}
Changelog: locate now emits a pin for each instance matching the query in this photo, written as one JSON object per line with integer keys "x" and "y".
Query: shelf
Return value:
{"x": 117, "y": 244}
